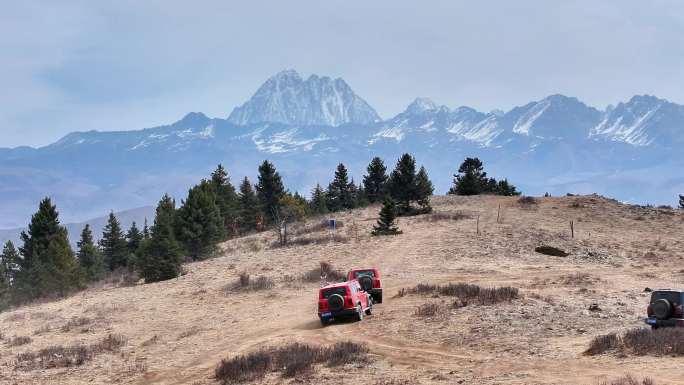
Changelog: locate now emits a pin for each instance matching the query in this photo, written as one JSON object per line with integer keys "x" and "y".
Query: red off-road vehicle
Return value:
{"x": 345, "y": 299}
{"x": 370, "y": 281}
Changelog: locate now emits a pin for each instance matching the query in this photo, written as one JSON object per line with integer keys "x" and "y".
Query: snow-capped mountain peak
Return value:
{"x": 643, "y": 120}
{"x": 287, "y": 98}
{"x": 420, "y": 105}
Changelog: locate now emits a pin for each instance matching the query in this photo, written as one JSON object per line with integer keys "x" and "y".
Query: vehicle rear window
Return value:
{"x": 672, "y": 296}
{"x": 361, "y": 273}
{"x": 341, "y": 290}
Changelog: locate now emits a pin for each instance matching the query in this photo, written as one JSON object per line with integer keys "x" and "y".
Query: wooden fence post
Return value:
{"x": 572, "y": 229}
{"x": 498, "y": 213}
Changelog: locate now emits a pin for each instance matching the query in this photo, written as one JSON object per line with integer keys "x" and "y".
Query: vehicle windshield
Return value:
{"x": 361, "y": 273}
{"x": 341, "y": 290}
{"x": 672, "y": 296}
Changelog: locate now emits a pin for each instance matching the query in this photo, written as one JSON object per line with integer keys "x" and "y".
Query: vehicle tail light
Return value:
{"x": 678, "y": 311}
{"x": 323, "y": 305}
{"x": 649, "y": 311}
{"x": 376, "y": 283}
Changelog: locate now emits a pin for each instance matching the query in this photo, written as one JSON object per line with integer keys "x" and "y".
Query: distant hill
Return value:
{"x": 631, "y": 151}
{"x": 126, "y": 217}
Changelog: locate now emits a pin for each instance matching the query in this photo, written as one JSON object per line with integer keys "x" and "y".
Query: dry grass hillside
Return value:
{"x": 177, "y": 332}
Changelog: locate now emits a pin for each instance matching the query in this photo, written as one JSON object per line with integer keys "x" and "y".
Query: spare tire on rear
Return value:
{"x": 335, "y": 302}
{"x": 662, "y": 308}
{"x": 366, "y": 282}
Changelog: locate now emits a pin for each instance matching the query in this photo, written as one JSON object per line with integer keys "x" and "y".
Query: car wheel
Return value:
{"x": 325, "y": 322}
{"x": 662, "y": 308}
{"x": 366, "y": 282}
{"x": 359, "y": 312}
{"x": 369, "y": 310}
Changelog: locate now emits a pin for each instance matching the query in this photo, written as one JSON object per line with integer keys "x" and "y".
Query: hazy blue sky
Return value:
{"x": 107, "y": 65}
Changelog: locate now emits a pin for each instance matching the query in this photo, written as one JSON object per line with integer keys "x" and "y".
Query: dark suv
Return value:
{"x": 665, "y": 308}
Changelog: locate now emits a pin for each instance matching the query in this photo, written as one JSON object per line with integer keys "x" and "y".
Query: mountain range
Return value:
{"x": 630, "y": 151}
{"x": 97, "y": 225}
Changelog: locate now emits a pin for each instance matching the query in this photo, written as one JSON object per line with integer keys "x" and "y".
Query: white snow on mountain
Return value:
{"x": 640, "y": 121}
{"x": 288, "y": 140}
{"x": 483, "y": 132}
{"x": 287, "y": 98}
{"x": 395, "y": 133}
{"x": 185, "y": 134}
{"x": 420, "y": 105}
{"x": 526, "y": 121}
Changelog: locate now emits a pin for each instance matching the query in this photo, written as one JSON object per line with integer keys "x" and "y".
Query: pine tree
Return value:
{"x": 340, "y": 194}
{"x": 471, "y": 179}
{"x": 424, "y": 189}
{"x": 402, "y": 183}
{"x": 134, "y": 238}
{"x": 62, "y": 274}
{"x": 681, "y": 201}
{"x": 387, "y": 222}
{"x": 353, "y": 194}
{"x": 490, "y": 186}
{"x": 506, "y": 189}
{"x": 8, "y": 268}
{"x": 146, "y": 230}
{"x": 160, "y": 256}
{"x": 43, "y": 227}
{"x": 113, "y": 244}
{"x": 226, "y": 197}
{"x": 375, "y": 183}
{"x": 361, "y": 196}
{"x": 9, "y": 263}
{"x": 318, "y": 200}
{"x": 269, "y": 189}
{"x": 49, "y": 265}
{"x": 200, "y": 225}
{"x": 89, "y": 257}
{"x": 248, "y": 206}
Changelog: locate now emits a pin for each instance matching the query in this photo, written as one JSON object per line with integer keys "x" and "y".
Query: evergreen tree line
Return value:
{"x": 411, "y": 189}
{"x": 472, "y": 180}
{"x": 214, "y": 210}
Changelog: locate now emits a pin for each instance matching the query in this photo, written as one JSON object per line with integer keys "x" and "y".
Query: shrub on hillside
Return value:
{"x": 526, "y": 201}
{"x": 292, "y": 359}
{"x": 629, "y": 380}
{"x": 445, "y": 216}
{"x": 469, "y": 294}
{"x": 326, "y": 272}
{"x": 640, "y": 342}
{"x": 76, "y": 322}
{"x": 66, "y": 356}
{"x": 312, "y": 240}
{"x": 245, "y": 282}
{"x": 315, "y": 227}
{"x": 429, "y": 310}
{"x": 20, "y": 340}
